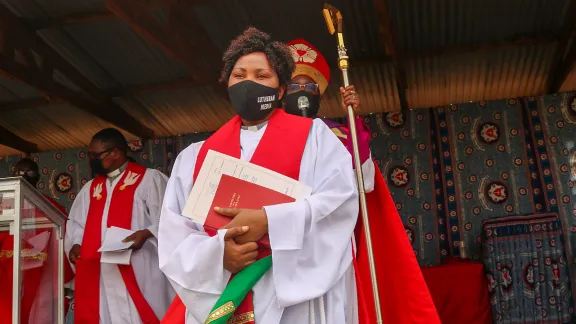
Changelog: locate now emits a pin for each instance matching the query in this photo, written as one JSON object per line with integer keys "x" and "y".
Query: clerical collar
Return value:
{"x": 255, "y": 128}
{"x": 118, "y": 171}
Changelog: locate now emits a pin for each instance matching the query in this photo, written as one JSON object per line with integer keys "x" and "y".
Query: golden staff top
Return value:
{"x": 333, "y": 19}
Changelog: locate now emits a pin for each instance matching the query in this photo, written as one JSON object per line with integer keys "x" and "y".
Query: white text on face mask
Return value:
{"x": 266, "y": 106}
{"x": 266, "y": 99}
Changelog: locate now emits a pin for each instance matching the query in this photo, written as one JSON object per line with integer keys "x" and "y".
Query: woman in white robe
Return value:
{"x": 312, "y": 278}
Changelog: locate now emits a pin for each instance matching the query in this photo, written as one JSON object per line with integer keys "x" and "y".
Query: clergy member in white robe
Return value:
{"x": 145, "y": 187}
{"x": 311, "y": 279}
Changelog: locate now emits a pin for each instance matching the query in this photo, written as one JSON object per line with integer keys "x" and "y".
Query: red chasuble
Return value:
{"x": 404, "y": 295}
{"x": 87, "y": 305}
{"x": 280, "y": 150}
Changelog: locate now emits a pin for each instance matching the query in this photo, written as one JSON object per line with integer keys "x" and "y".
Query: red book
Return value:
{"x": 236, "y": 193}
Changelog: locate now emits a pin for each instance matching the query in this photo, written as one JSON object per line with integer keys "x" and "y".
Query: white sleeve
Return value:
{"x": 192, "y": 260}
{"x": 77, "y": 218}
{"x": 368, "y": 174}
{"x": 154, "y": 198}
{"x": 311, "y": 238}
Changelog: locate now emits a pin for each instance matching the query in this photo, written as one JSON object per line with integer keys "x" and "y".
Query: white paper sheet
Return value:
{"x": 121, "y": 257}
{"x": 113, "y": 240}
{"x": 216, "y": 164}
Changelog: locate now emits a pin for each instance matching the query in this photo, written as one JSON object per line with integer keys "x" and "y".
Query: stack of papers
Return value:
{"x": 113, "y": 249}
{"x": 199, "y": 202}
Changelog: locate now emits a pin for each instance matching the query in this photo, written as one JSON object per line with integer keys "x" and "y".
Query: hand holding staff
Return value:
{"x": 334, "y": 23}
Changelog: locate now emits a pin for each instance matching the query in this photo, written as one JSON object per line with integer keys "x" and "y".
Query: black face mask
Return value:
{"x": 251, "y": 100}
{"x": 30, "y": 176}
{"x": 293, "y": 101}
{"x": 97, "y": 167}
{"x": 31, "y": 181}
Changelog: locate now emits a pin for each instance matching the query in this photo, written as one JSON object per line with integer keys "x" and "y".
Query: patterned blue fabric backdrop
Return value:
{"x": 528, "y": 277}
{"x": 484, "y": 165}
{"x": 404, "y": 150}
{"x": 448, "y": 168}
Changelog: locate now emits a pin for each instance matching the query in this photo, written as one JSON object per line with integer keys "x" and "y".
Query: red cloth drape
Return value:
{"x": 460, "y": 292}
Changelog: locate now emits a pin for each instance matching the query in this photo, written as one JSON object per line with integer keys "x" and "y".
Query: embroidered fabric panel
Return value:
{"x": 527, "y": 271}
{"x": 448, "y": 168}
{"x": 484, "y": 165}
{"x": 555, "y": 135}
{"x": 402, "y": 148}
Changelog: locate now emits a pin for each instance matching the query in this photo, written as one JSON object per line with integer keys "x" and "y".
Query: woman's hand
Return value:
{"x": 350, "y": 97}
{"x": 238, "y": 256}
{"x": 255, "y": 219}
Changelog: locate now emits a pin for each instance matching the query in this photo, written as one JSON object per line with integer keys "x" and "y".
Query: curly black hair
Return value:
{"x": 253, "y": 40}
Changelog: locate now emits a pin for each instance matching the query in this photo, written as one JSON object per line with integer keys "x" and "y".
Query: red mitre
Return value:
{"x": 310, "y": 62}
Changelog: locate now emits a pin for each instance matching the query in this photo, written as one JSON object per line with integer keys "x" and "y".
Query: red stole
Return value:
{"x": 280, "y": 150}
{"x": 87, "y": 305}
{"x": 404, "y": 295}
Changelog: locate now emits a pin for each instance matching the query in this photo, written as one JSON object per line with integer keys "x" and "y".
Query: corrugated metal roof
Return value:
{"x": 41, "y": 9}
{"x": 182, "y": 111}
{"x": 570, "y": 82}
{"x": 375, "y": 84}
{"x": 53, "y": 127}
{"x": 112, "y": 55}
{"x": 13, "y": 90}
{"x": 422, "y": 25}
{"x": 82, "y": 60}
{"x": 125, "y": 59}
{"x": 129, "y": 58}
{"x": 500, "y": 74}
{"x": 5, "y": 150}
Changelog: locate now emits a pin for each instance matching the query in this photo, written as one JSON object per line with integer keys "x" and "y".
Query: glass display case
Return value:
{"x": 31, "y": 256}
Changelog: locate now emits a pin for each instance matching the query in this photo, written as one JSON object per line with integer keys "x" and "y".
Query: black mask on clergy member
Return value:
{"x": 251, "y": 100}
{"x": 291, "y": 103}
{"x": 97, "y": 167}
{"x": 30, "y": 176}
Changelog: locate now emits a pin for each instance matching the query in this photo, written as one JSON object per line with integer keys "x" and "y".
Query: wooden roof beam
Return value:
{"x": 30, "y": 103}
{"x": 71, "y": 19}
{"x": 389, "y": 36}
{"x": 7, "y": 138}
{"x": 565, "y": 55}
{"x": 182, "y": 44}
{"x": 85, "y": 17}
{"x": 516, "y": 41}
{"x": 16, "y": 37}
{"x": 564, "y": 69}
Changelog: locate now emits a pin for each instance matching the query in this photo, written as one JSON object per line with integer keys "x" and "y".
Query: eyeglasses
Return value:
{"x": 22, "y": 173}
{"x": 99, "y": 155}
{"x": 308, "y": 87}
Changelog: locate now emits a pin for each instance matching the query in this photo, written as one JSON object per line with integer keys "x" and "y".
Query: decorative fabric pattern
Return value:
{"x": 528, "y": 276}
{"x": 448, "y": 169}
